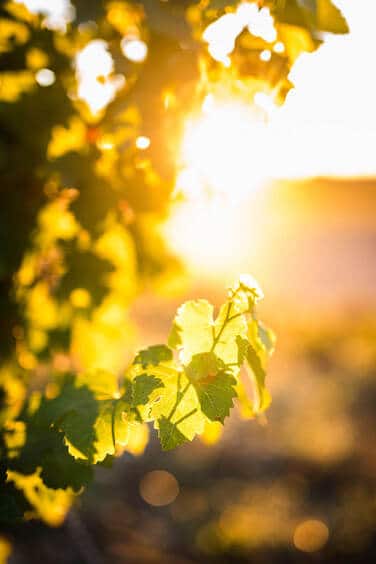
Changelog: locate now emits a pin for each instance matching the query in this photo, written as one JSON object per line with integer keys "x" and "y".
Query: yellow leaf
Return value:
{"x": 296, "y": 40}
{"x": 15, "y": 83}
{"x": 66, "y": 139}
{"x": 12, "y": 33}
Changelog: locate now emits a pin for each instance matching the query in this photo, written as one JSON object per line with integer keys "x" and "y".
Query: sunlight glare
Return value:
{"x": 58, "y": 13}
{"x": 227, "y": 152}
{"x": 224, "y": 151}
{"x": 209, "y": 237}
{"x": 223, "y": 32}
{"x": 225, "y": 160}
{"x": 97, "y": 86}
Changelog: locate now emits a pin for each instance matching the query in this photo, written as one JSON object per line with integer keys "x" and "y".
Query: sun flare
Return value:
{"x": 224, "y": 161}
{"x": 223, "y": 151}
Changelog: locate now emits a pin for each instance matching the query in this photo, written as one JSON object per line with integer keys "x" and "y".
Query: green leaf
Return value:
{"x": 267, "y": 337}
{"x": 248, "y": 353}
{"x": 153, "y": 355}
{"x": 230, "y": 323}
{"x": 216, "y": 396}
{"x": 140, "y": 388}
{"x": 204, "y": 365}
{"x": 174, "y": 339}
{"x": 169, "y": 434}
{"x": 60, "y": 470}
{"x": 179, "y": 403}
{"x": 90, "y": 416}
{"x": 12, "y": 505}
{"x": 110, "y": 428}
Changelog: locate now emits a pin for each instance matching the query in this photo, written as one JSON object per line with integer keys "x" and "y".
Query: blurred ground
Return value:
{"x": 298, "y": 487}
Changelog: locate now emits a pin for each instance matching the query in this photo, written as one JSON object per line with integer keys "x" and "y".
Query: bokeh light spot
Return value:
{"x": 45, "y": 77}
{"x": 311, "y": 535}
{"x": 134, "y": 49}
{"x": 159, "y": 488}
{"x": 142, "y": 142}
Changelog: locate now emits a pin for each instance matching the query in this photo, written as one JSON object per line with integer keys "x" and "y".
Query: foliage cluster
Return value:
{"x": 80, "y": 239}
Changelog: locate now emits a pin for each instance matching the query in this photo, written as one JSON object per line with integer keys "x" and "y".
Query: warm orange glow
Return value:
{"x": 230, "y": 148}
{"x": 225, "y": 159}
{"x": 311, "y": 535}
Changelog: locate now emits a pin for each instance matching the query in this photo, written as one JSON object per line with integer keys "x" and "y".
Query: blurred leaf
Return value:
{"x": 330, "y": 18}
{"x": 153, "y": 355}
{"x": 15, "y": 83}
{"x": 67, "y": 139}
{"x": 12, "y": 33}
{"x": 248, "y": 353}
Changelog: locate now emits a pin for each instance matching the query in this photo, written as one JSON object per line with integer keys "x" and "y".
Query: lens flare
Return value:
{"x": 224, "y": 151}
{"x": 225, "y": 160}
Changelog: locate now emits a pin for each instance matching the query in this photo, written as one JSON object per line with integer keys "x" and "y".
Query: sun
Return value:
{"x": 224, "y": 151}
{"x": 224, "y": 160}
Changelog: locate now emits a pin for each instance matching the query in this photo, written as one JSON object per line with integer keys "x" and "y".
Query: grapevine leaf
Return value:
{"x": 12, "y": 504}
{"x": 267, "y": 338}
{"x": 262, "y": 340}
{"x": 174, "y": 339}
{"x": 153, "y": 355}
{"x": 216, "y": 396}
{"x": 179, "y": 403}
{"x": 169, "y": 434}
{"x": 248, "y": 353}
{"x": 194, "y": 324}
{"x": 204, "y": 365}
{"x": 50, "y": 504}
{"x": 110, "y": 428}
{"x": 138, "y": 391}
{"x": 61, "y": 471}
{"x": 45, "y": 449}
{"x": 229, "y": 324}
{"x": 90, "y": 416}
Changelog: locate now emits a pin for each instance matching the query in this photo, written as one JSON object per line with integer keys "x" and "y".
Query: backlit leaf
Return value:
{"x": 216, "y": 396}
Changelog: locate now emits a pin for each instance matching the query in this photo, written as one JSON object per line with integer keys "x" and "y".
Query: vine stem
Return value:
{"x": 218, "y": 336}
{"x": 179, "y": 397}
{"x": 113, "y": 425}
{"x": 185, "y": 416}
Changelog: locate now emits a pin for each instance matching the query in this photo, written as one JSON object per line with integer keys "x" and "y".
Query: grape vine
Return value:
{"x": 179, "y": 388}
{"x": 88, "y": 240}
